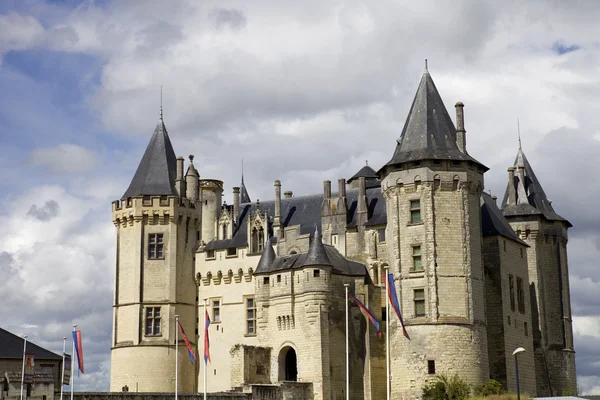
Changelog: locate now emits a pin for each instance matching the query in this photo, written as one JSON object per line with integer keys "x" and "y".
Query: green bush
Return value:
{"x": 489, "y": 388}
{"x": 444, "y": 388}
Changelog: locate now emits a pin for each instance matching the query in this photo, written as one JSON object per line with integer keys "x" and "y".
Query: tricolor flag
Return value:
{"x": 366, "y": 312}
{"x": 78, "y": 349}
{"x": 394, "y": 302}
{"x": 206, "y": 341}
{"x": 187, "y": 343}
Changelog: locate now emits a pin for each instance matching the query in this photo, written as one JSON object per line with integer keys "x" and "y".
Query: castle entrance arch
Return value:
{"x": 288, "y": 364}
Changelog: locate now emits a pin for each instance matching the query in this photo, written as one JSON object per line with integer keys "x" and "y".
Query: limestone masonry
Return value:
{"x": 474, "y": 281}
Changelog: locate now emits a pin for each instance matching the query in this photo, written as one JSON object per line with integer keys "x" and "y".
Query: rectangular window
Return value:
{"x": 382, "y": 235}
{"x": 334, "y": 240}
{"x": 250, "y": 316}
{"x": 146, "y": 201}
{"x": 278, "y": 278}
{"x": 383, "y": 314}
{"x": 431, "y": 367}
{"x": 419, "y": 299}
{"x": 153, "y": 321}
{"x": 520, "y": 295}
{"x": 216, "y": 306}
{"x": 525, "y": 328}
{"x": 509, "y": 319}
{"x": 210, "y": 254}
{"x": 316, "y": 273}
{"x": 521, "y": 252}
{"x": 417, "y": 265}
{"x": 155, "y": 246}
{"x": 266, "y": 280}
{"x": 415, "y": 211}
{"x": 231, "y": 252}
{"x": 511, "y": 286}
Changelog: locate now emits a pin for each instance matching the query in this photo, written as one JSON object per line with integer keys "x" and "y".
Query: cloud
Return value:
{"x": 65, "y": 158}
{"x": 45, "y": 213}
{"x": 19, "y": 32}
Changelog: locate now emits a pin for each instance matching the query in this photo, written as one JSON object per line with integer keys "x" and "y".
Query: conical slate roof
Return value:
{"x": 316, "y": 252}
{"x": 366, "y": 172}
{"x": 244, "y": 197}
{"x": 157, "y": 171}
{"x": 266, "y": 259}
{"x": 536, "y": 202}
{"x": 429, "y": 132}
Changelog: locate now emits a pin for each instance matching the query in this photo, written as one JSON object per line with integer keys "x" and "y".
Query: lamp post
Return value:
{"x": 516, "y": 353}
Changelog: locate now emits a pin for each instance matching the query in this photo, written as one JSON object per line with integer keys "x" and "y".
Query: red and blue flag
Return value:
{"x": 206, "y": 340}
{"x": 78, "y": 349}
{"x": 187, "y": 343}
{"x": 394, "y": 302}
{"x": 366, "y": 312}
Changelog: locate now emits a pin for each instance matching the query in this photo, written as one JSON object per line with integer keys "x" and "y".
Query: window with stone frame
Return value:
{"x": 511, "y": 288}
{"x": 155, "y": 246}
{"x": 210, "y": 254}
{"x": 250, "y": 316}
{"x": 419, "y": 300}
{"x": 520, "y": 296}
{"x": 216, "y": 307}
{"x": 416, "y": 255}
{"x": 152, "y": 321}
{"x": 231, "y": 251}
{"x": 415, "y": 212}
{"x": 431, "y": 367}
{"x": 381, "y": 233}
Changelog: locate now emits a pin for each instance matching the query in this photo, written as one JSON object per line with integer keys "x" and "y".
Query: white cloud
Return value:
{"x": 18, "y": 32}
{"x": 64, "y": 158}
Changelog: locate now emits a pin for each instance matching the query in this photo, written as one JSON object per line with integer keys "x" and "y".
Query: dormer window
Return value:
{"x": 258, "y": 239}
{"x": 224, "y": 236}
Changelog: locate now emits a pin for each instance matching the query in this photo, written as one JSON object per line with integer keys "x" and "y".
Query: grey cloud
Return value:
{"x": 588, "y": 354}
{"x": 157, "y": 37}
{"x": 232, "y": 18}
{"x": 49, "y": 210}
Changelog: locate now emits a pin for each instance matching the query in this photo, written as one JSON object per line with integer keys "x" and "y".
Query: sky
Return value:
{"x": 302, "y": 91}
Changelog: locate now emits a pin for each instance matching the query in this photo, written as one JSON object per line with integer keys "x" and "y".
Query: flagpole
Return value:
{"x": 346, "y": 285}
{"x": 387, "y": 333}
{"x": 176, "y": 354}
{"x": 23, "y": 371}
{"x": 73, "y": 365}
{"x": 205, "y": 360}
{"x": 62, "y": 378}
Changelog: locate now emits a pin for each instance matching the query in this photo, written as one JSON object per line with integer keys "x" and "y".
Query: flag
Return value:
{"x": 394, "y": 302}
{"x": 206, "y": 341}
{"x": 78, "y": 349}
{"x": 366, "y": 312}
{"x": 187, "y": 343}
{"x": 67, "y": 370}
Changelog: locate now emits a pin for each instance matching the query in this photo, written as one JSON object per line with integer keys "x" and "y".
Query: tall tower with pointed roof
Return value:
{"x": 432, "y": 189}
{"x": 531, "y": 215}
{"x": 157, "y": 226}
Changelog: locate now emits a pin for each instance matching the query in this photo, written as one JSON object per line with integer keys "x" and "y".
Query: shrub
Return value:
{"x": 444, "y": 388}
{"x": 489, "y": 388}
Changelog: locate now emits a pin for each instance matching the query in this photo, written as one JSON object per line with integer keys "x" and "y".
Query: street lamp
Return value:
{"x": 515, "y": 353}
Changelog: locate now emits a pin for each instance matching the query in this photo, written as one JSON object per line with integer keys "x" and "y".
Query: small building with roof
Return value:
{"x": 47, "y": 370}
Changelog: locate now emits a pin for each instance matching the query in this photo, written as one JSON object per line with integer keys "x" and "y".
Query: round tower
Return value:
{"x": 154, "y": 264}
{"x": 432, "y": 190}
{"x": 212, "y": 197}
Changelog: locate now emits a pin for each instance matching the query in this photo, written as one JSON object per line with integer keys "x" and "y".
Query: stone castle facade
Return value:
{"x": 474, "y": 281}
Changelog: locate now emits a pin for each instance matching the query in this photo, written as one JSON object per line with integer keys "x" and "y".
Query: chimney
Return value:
{"x": 277, "y": 218}
{"x": 461, "y": 134}
{"x": 362, "y": 195}
{"x": 342, "y": 188}
{"x": 342, "y": 204}
{"x": 326, "y": 189}
{"x": 495, "y": 198}
{"x": 512, "y": 195}
{"x": 236, "y": 204}
{"x": 179, "y": 182}
{"x": 288, "y": 194}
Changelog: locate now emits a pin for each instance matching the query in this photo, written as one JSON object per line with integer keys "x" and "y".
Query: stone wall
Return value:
{"x": 158, "y": 396}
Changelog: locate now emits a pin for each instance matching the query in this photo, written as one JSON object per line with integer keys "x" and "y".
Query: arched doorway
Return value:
{"x": 288, "y": 364}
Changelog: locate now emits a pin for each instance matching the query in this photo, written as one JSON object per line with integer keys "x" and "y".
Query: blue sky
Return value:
{"x": 303, "y": 91}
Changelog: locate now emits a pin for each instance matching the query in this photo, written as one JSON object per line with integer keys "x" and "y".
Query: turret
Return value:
{"x": 277, "y": 227}
{"x": 191, "y": 181}
{"x": 212, "y": 197}
{"x": 236, "y": 204}
{"x": 461, "y": 134}
{"x": 432, "y": 190}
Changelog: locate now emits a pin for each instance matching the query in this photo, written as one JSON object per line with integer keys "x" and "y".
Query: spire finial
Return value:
{"x": 161, "y": 110}
{"x": 519, "y": 132}
{"x": 367, "y": 162}
{"x": 242, "y": 171}
{"x": 426, "y": 70}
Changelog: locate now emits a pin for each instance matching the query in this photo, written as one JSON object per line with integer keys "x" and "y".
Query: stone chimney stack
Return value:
{"x": 512, "y": 195}
{"x": 236, "y": 204}
{"x": 461, "y": 134}
{"x": 342, "y": 188}
{"x": 342, "y": 206}
{"x": 277, "y": 218}
{"x": 179, "y": 181}
{"x": 288, "y": 194}
{"x": 326, "y": 189}
{"x": 362, "y": 195}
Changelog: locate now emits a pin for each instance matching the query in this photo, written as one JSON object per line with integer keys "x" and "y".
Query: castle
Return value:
{"x": 474, "y": 281}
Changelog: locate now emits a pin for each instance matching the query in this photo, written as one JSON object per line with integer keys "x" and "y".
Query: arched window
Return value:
{"x": 261, "y": 239}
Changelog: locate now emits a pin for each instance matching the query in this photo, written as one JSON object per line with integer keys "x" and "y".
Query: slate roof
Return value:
{"x": 316, "y": 252}
{"x": 266, "y": 259}
{"x": 157, "y": 170}
{"x": 244, "y": 197}
{"x": 340, "y": 264}
{"x": 429, "y": 132}
{"x": 493, "y": 222}
{"x": 11, "y": 346}
{"x": 304, "y": 211}
{"x": 370, "y": 177}
{"x": 537, "y": 201}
